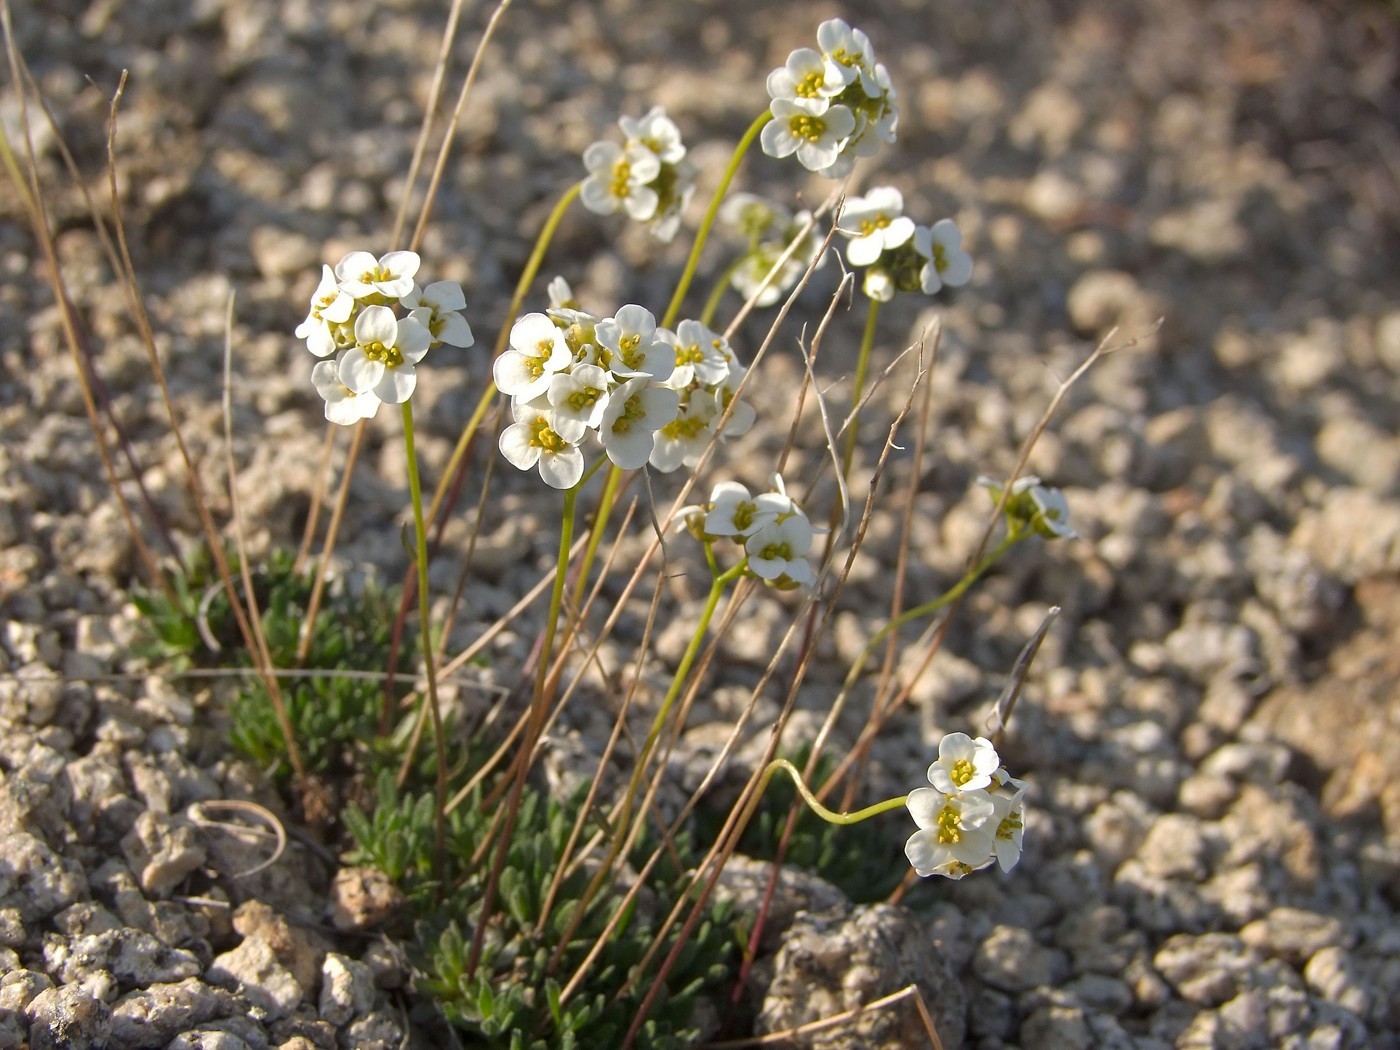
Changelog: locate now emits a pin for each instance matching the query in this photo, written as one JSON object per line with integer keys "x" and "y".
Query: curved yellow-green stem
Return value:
{"x": 816, "y": 807}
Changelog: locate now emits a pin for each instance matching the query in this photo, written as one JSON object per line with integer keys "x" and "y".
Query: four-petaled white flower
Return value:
{"x": 964, "y": 764}
{"x": 442, "y": 300}
{"x": 362, "y": 276}
{"x": 618, "y": 178}
{"x": 816, "y": 138}
{"x": 537, "y": 350}
{"x": 848, "y": 54}
{"x": 778, "y": 551}
{"x": 636, "y": 411}
{"x": 331, "y": 307}
{"x": 734, "y": 512}
{"x": 972, "y": 816}
{"x": 701, "y": 354}
{"x": 806, "y": 77}
{"x": 1052, "y": 517}
{"x": 633, "y": 347}
{"x": 579, "y": 398}
{"x": 343, "y": 405}
{"x": 954, "y": 835}
{"x": 534, "y": 439}
{"x": 948, "y": 264}
{"x": 385, "y": 351}
{"x": 875, "y": 223}
{"x": 657, "y": 132}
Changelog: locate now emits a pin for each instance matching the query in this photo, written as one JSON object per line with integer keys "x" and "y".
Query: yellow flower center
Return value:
{"x": 869, "y": 226}
{"x": 776, "y": 552}
{"x": 622, "y": 179}
{"x": 684, "y": 427}
{"x": 962, "y": 772}
{"x": 948, "y": 830}
{"x": 810, "y": 86}
{"x": 743, "y": 515}
{"x": 543, "y": 438}
{"x": 806, "y": 126}
{"x": 689, "y": 355}
{"x": 631, "y": 413}
{"x": 389, "y": 356}
{"x": 627, "y": 350}
{"x": 582, "y": 400}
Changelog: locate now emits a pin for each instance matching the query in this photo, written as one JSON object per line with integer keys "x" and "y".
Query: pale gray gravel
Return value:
{"x": 1211, "y": 733}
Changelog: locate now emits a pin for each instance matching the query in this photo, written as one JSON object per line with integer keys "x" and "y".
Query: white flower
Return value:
{"x": 442, "y": 300}
{"x": 752, "y": 215}
{"x": 385, "y": 351}
{"x": 848, "y": 53}
{"x": 817, "y": 139}
{"x": 534, "y": 440}
{"x": 963, "y": 764}
{"x": 579, "y": 398}
{"x": 330, "y": 309}
{"x": 537, "y": 351}
{"x": 657, "y": 132}
{"x": 874, "y": 223}
{"x": 806, "y": 76}
{"x": 362, "y": 276}
{"x": 632, "y": 345}
{"x": 683, "y": 440}
{"x": 1008, "y": 818}
{"x": 701, "y": 354}
{"x": 636, "y": 410}
{"x": 879, "y": 284}
{"x": 955, "y": 833}
{"x": 741, "y": 418}
{"x": 948, "y": 264}
{"x": 733, "y": 512}
{"x": 343, "y": 405}
{"x": 1052, "y": 513}
{"x": 778, "y": 550}
{"x": 618, "y": 178}
{"x": 675, "y": 186}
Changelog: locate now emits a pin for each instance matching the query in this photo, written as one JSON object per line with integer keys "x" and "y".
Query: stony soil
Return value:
{"x": 1211, "y": 732}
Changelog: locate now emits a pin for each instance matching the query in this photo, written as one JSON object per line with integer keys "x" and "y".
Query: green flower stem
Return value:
{"x": 522, "y": 287}
{"x": 539, "y": 710}
{"x": 606, "y": 502}
{"x": 953, "y": 593}
{"x": 717, "y": 293}
{"x": 816, "y": 807}
{"x": 622, "y": 818}
{"x": 420, "y": 534}
{"x": 703, "y": 233}
{"x": 867, "y": 341}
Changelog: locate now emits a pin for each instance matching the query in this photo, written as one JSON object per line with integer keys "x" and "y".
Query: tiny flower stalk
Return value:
{"x": 420, "y": 536}
{"x": 782, "y": 765}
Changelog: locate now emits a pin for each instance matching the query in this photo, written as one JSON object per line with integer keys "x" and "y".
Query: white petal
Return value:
{"x": 561, "y": 470}
{"x": 376, "y": 324}
{"x": 397, "y": 384}
{"x": 358, "y": 372}
{"x": 515, "y": 446}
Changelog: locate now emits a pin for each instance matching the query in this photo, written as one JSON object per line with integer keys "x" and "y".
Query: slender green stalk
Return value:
{"x": 622, "y": 816}
{"x": 867, "y": 341}
{"x": 717, "y": 293}
{"x": 420, "y": 535}
{"x": 782, "y": 764}
{"x": 606, "y": 500}
{"x": 703, "y": 233}
{"x": 539, "y": 710}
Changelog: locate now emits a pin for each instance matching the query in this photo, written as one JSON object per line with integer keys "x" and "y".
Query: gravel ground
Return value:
{"x": 1213, "y": 851}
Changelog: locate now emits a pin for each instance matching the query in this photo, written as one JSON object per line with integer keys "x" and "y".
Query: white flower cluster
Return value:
{"x": 378, "y": 323}
{"x": 648, "y": 176}
{"x": 1030, "y": 503}
{"x": 830, "y": 106}
{"x": 771, "y": 527}
{"x": 650, "y": 395}
{"x": 769, "y": 229}
{"x": 973, "y": 815}
{"x": 896, "y": 254}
